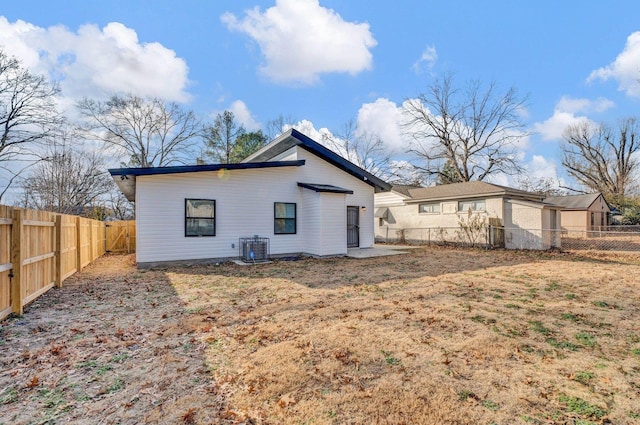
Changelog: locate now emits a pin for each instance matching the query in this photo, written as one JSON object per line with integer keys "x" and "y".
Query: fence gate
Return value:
{"x": 121, "y": 236}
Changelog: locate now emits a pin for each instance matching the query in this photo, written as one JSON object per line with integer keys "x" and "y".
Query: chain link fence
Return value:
{"x": 516, "y": 238}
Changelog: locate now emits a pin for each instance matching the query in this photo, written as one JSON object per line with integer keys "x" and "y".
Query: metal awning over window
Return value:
{"x": 382, "y": 213}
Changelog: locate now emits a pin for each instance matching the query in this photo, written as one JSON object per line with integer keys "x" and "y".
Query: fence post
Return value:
{"x": 58, "y": 250}
{"x": 17, "y": 257}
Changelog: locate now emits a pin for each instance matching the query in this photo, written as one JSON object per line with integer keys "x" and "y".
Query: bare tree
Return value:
{"x": 276, "y": 126}
{"x": 544, "y": 185}
{"x": 28, "y": 114}
{"x": 68, "y": 181}
{"x": 601, "y": 158}
{"x": 153, "y": 133}
{"x": 362, "y": 148}
{"x": 476, "y": 130}
{"x": 220, "y": 138}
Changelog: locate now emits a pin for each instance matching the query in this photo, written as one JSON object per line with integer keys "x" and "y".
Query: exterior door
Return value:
{"x": 353, "y": 227}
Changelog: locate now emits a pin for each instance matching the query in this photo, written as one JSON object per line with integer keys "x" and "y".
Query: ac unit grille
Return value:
{"x": 254, "y": 249}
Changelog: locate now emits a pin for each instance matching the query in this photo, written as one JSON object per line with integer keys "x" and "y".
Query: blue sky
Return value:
{"x": 332, "y": 61}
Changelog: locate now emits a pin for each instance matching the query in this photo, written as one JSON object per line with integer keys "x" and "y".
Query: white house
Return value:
{"x": 294, "y": 194}
{"x": 523, "y": 219}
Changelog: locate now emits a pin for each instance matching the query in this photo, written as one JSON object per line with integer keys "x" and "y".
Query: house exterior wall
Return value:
{"x": 310, "y": 219}
{"x": 528, "y": 226}
{"x": 245, "y": 207}
{"x": 581, "y": 220}
{"x": 319, "y": 171}
{"x": 333, "y": 220}
{"x": 407, "y": 216}
{"x": 526, "y": 223}
{"x": 575, "y": 220}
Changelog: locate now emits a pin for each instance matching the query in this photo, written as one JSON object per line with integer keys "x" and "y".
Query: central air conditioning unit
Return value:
{"x": 254, "y": 249}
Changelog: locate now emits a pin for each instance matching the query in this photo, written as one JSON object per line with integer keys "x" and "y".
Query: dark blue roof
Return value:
{"x": 197, "y": 168}
{"x": 293, "y": 137}
{"x": 325, "y": 188}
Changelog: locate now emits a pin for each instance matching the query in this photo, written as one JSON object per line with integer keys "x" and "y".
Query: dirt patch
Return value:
{"x": 437, "y": 336}
{"x": 110, "y": 347}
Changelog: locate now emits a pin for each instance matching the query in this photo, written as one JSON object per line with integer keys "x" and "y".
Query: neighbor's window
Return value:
{"x": 478, "y": 205}
{"x": 284, "y": 218}
{"x": 199, "y": 217}
{"x": 432, "y": 207}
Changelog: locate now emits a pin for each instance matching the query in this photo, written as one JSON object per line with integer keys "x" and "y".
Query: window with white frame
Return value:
{"x": 473, "y": 205}
{"x": 429, "y": 208}
{"x": 199, "y": 217}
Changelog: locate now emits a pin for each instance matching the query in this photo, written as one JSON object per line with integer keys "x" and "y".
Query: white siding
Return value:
{"x": 334, "y": 224}
{"x": 244, "y": 207}
{"x": 309, "y": 221}
{"x": 319, "y": 171}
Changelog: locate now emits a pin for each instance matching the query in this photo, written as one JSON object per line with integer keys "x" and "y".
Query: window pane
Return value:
{"x": 200, "y": 208}
{"x": 284, "y": 210}
{"x": 290, "y": 210}
{"x": 430, "y": 208}
{"x": 290, "y": 225}
{"x": 479, "y": 206}
{"x": 200, "y": 227}
{"x": 285, "y": 226}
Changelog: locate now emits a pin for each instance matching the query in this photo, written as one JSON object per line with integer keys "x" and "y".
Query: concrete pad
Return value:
{"x": 373, "y": 252}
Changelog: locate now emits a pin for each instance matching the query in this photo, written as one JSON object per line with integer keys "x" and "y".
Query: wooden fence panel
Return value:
{"x": 40, "y": 249}
{"x": 121, "y": 236}
{"x": 37, "y": 253}
{"x": 6, "y": 218}
{"x": 84, "y": 230}
{"x": 67, "y": 262}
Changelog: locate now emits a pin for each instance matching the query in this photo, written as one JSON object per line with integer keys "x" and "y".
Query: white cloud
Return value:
{"x": 625, "y": 69}
{"x": 382, "y": 118}
{"x": 426, "y": 61}
{"x": 540, "y": 167}
{"x": 566, "y": 113}
{"x": 299, "y": 40}
{"x": 243, "y": 116}
{"x": 569, "y": 104}
{"x": 95, "y": 62}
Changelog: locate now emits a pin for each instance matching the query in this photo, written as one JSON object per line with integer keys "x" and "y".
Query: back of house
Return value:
{"x": 294, "y": 196}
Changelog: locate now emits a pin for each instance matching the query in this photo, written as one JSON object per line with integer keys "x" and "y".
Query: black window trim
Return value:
{"x": 186, "y": 217}
{"x": 295, "y": 218}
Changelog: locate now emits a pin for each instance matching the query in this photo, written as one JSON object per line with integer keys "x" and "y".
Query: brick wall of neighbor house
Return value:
{"x": 408, "y": 217}
{"x": 575, "y": 220}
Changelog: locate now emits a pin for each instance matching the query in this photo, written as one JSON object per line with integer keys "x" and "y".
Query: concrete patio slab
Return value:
{"x": 376, "y": 251}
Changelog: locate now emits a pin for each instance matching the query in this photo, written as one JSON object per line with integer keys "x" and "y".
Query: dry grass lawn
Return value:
{"x": 437, "y": 336}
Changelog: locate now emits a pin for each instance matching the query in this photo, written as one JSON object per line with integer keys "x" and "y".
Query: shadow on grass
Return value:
{"x": 345, "y": 271}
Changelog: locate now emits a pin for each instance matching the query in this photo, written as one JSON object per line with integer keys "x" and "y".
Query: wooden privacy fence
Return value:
{"x": 39, "y": 250}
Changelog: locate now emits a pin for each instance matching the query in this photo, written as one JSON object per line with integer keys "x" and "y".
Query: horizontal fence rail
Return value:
{"x": 39, "y": 250}
{"x": 515, "y": 238}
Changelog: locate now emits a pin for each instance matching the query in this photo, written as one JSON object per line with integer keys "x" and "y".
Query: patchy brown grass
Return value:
{"x": 438, "y": 336}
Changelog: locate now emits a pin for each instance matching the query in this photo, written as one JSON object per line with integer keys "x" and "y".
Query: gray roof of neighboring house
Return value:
{"x": 473, "y": 189}
{"x": 403, "y": 189}
{"x": 573, "y": 202}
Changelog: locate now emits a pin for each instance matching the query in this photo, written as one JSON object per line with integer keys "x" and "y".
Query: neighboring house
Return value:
{"x": 528, "y": 221}
{"x": 297, "y": 193}
{"x": 583, "y": 212}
